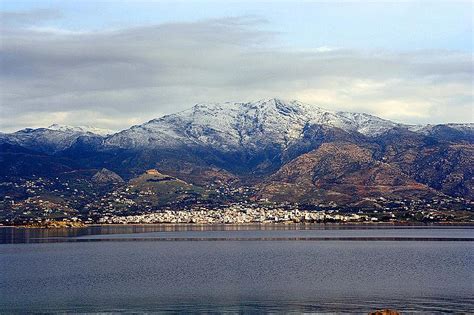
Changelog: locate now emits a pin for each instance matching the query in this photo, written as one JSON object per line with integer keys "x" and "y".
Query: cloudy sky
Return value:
{"x": 112, "y": 64}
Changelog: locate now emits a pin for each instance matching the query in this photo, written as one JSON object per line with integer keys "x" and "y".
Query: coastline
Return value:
{"x": 79, "y": 225}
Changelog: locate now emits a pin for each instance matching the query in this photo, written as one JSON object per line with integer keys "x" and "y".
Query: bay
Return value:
{"x": 237, "y": 269}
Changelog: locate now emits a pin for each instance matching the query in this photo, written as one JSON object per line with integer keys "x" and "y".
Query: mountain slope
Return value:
{"x": 340, "y": 171}
{"x": 244, "y": 138}
{"x": 82, "y": 129}
{"x": 159, "y": 189}
{"x": 48, "y": 140}
{"x": 230, "y": 126}
{"x": 105, "y": 176}
{"x": 307, "y": 151}
{"x": 18, "y": 161}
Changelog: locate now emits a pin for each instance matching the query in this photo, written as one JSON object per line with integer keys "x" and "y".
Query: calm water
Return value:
{"x": 237, "y": 269}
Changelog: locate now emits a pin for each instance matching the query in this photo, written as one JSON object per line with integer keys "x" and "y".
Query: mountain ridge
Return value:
{"x": 249, "y": 143}
{"x": 323, "y": 117}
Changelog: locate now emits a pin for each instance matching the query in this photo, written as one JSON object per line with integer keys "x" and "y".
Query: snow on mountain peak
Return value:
{"x": 52, "y": 139}
{"x": 427, "y": 129}
{"x": 249, "y": 124}
{"x": 225, "y": 126}
{"x": 81, "y": 129}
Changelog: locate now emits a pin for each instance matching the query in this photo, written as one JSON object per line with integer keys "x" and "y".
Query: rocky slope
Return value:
{"x": 105, "y": 176}
{"x": 342, "y": 172}
{"x": 160, "y": 189}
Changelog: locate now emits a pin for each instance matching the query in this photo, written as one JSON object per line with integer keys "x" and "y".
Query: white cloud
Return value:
{"x": 112, "y": 79}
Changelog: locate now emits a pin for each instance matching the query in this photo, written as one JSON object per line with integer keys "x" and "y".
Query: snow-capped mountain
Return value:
{"x": 50, "y": 140}
{"x": 81, "y": 129}
{"x": 310, "y": 147}
{"x": 231, "y": 125}
{"x": 429, "y": 128}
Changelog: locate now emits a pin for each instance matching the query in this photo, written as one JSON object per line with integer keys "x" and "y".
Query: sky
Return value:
{"x": 113, "y": 64}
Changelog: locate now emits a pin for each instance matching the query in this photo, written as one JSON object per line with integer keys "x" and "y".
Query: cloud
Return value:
{"x": 31, "y": 17}
{"x": 115, "y": 78}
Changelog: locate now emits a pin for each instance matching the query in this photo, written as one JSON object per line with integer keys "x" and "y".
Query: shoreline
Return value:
{"x": 76, "y": 225}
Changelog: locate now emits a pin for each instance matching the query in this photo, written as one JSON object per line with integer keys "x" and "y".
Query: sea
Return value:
{"x": 267, "y": 268}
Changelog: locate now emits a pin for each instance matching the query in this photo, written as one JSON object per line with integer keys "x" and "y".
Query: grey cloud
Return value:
{"x": 112, "y": 79}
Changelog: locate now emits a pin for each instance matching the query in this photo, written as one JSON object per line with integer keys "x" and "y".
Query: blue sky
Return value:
{"x": 116, "y": 63}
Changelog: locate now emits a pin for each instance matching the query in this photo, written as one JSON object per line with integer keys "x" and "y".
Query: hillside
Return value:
{"x": 341, "y": 172}
{"x": 284, "y": 151}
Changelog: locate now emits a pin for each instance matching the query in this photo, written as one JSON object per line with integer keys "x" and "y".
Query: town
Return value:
{"x": 241, "y": 214}
{"x": 40, "y": 201}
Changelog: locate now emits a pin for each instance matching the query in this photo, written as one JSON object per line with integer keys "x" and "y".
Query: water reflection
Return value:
{"x": 237, "y": 277}
{"x": 172, "y": 232}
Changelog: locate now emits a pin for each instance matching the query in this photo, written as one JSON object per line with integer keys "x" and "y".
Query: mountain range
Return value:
{"x": 285, "y": 150}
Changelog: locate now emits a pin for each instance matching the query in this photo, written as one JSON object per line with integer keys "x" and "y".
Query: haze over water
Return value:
{"x": 281, "y": 269}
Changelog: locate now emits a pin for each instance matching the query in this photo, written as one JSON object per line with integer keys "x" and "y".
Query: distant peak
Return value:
{"x": 273, "y": 101}
{"x": 81, "y": 129}
{"x": 59, "y": 127}
{"x": 289, "y": 103}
